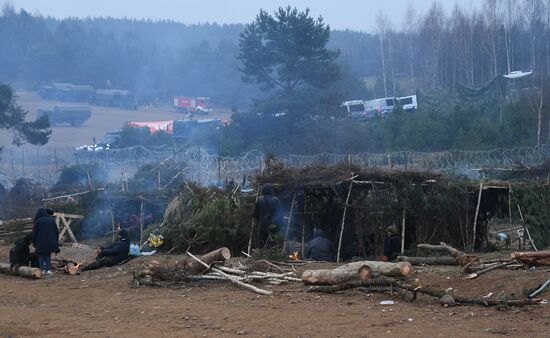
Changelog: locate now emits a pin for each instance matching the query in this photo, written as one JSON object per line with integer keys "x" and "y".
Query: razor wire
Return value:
{"x": 198, "y": 164}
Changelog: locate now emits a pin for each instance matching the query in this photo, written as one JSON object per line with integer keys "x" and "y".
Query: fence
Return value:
{"x": 44, "y": 164}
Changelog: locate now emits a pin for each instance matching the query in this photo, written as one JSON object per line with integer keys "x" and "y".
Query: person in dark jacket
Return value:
{"x": 45, "y": 239}
{"x": 267, "y": 213}
{"x": 113, "y": 254}
{"x": 20, "y": 254}
{"x": 320, "y": 248}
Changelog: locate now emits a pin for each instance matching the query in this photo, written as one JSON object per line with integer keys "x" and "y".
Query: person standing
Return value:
{"x": 45, "y": 239}
{"x": 267, "y": 213}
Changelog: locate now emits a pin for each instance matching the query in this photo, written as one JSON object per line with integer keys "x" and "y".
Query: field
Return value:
{"x": 103, "y": 119}
{"x": 102, "y": 304}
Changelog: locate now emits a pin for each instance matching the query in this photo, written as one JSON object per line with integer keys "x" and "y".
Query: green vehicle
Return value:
{"x": 72, "y": 115}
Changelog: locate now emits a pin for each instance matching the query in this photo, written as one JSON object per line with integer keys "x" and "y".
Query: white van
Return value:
{"x": 354, "y": 108}
{"x": 379, "y": 106}
{"x": 408, "y": 102}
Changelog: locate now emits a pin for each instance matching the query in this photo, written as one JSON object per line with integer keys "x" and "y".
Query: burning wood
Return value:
{"x": 295, "y": 256}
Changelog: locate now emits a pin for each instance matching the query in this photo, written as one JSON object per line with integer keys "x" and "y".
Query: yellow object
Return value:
{"x": 155, "y": 240}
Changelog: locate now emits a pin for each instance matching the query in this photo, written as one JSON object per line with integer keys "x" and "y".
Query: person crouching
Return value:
{"x": 20, "y": 254}
{"x": 111, "y": 255}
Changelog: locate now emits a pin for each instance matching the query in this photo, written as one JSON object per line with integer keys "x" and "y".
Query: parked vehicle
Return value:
{"x": 379, "y": 106}
{"x": 73, "y": 115}
{"x": 186, "y": 129}
{"x": 114, "y": 98}
{"x": 192, "y": 105}
{"x": 408, "y": 102}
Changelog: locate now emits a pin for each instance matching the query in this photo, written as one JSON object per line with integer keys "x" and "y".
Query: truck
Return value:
{"x": 184, "y": 130}
{"x": 192, "y": 105}
{"x": 72, "y": 115}
{"x": 114, "y": 98}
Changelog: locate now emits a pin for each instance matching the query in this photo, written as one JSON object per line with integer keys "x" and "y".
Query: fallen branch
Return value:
{"x": 462, "y": 258}
{"x": 231, "y": 278}
{"x": 437, "y": 293}
{"x": 491, "y": 268}
{"x": 220, "y": 254}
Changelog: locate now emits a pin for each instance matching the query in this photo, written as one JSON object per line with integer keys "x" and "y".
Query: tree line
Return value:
{"x": 443, "y": 55}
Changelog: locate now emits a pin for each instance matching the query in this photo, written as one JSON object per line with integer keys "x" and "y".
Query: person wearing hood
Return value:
{"x": 20, "y": 254}
{"x": 113, "y": 254}
{"x": 45, "y": 239}
{"x": 320, "y": 248}
{"x": 267, "y": 214}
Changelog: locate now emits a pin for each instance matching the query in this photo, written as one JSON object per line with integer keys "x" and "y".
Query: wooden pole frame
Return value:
{"x": 289, "y": 221}
{"x": 252, "y": 226}
{"x": 343, "y": 222}
{"x": 473, "y": 244}
{"x": 403, "y": 232}
{"x": 304, "y": 225}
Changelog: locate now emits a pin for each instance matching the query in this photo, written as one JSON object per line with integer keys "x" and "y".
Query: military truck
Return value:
{"x": 67, "y": 92}
{"x": 114, "y": 98}
{"x": 72, "y": 115}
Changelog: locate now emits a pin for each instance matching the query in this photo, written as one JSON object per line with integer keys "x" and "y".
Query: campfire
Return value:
{"x": 295, "y": 256}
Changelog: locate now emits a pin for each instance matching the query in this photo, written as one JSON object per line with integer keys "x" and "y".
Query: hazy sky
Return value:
{"x": 339, "y": 14}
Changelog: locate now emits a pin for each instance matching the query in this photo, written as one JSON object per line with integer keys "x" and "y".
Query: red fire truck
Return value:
{"x": 192, "y": 105}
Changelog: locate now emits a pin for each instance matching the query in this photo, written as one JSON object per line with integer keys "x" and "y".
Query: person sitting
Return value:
{"x": 113, "y": 254}
{"x": 20, "y": 254}
{"x": 320, "y": 248}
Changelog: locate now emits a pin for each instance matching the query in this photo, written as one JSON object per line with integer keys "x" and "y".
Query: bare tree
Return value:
{"x": 382, "y": 24}
{"x": 509, "y": 8}
{"x": 491, "y": 13}
{"x": 410, "y": 28}
{"x": 432, "y": 31}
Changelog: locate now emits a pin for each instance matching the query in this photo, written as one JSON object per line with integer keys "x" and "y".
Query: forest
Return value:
{"x": 435, "y": 54}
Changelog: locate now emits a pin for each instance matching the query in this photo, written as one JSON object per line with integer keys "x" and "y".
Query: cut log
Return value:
{"x": 336, "y": 276}
{"x": 23, "y": 271}
{"x": 384, "y": 268}
{"x": 462, "y": 258}
{"x": 532, "y": 258}
{"x": 441, "y": 260}
{"x": 220, "y": 254}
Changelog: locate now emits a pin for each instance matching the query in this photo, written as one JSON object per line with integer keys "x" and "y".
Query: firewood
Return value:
{"x": 23, "y": 271}
{"x": 220, "y": 254}
{"x": 532, "y": 258}
{"x": 336, "y": 276}
{"x": 385, "y": 268}
{"x": 490, "y": 268}
{"x": 440, "y": 260}
{"x": 231, "y": 278}
{"x": 462, "y": 258}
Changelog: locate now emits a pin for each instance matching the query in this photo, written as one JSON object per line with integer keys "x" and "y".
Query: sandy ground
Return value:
{"x": 102, "y": 304}
{"x": 103, "y": 119}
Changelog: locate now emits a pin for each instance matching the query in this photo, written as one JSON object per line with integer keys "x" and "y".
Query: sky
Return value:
{"x": 358, "y": 15}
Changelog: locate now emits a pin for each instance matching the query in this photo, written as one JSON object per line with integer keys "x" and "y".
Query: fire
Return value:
{"x": 295, "y": 256}
{"x": 79, "y": 264}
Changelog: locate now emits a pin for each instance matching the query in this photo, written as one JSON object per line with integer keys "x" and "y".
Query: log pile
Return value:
{"x": 210, "y": 267}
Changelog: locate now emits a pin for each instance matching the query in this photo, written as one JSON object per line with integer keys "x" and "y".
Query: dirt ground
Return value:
{"x": 102, "y": 304}
{"x": 103, "y": 119}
